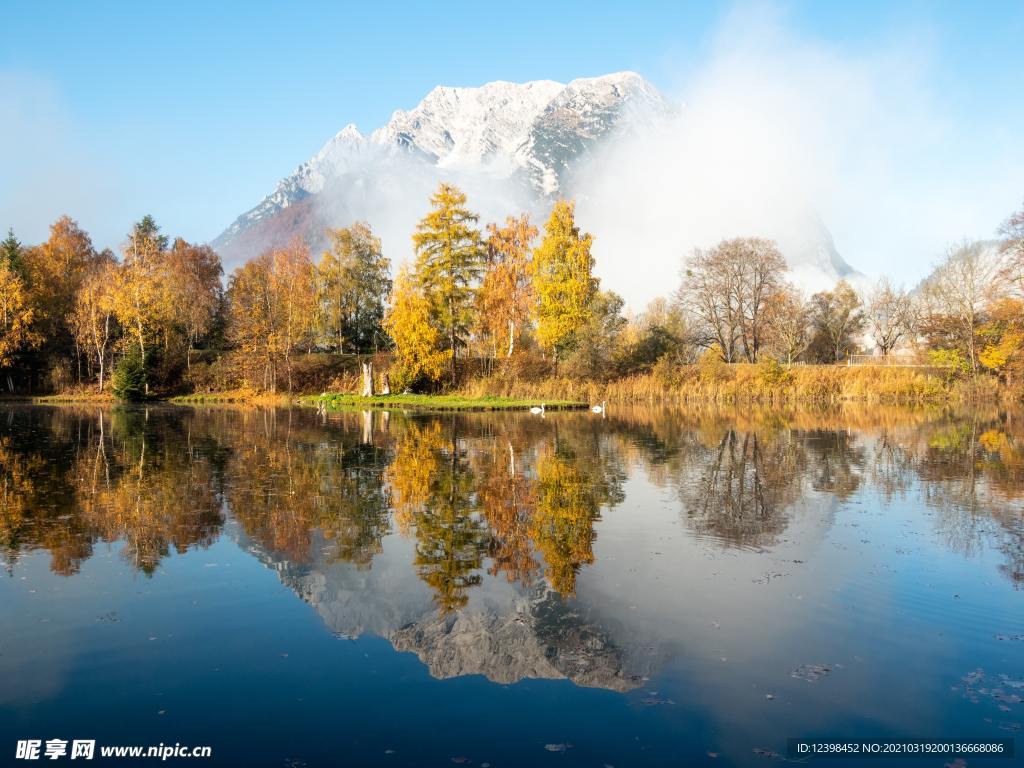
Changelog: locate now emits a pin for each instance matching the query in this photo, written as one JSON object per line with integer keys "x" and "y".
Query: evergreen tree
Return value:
{"x": 450, "y": 257}
{"x": 562, "y": 280}
{"x": 11, "y": 252}
{"x": 130, "y": 375}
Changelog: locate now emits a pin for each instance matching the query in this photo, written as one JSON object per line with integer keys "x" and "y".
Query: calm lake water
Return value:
{"x": 393, "y": 589}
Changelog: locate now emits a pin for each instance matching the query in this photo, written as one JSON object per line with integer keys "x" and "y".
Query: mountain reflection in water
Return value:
{"x": 469, "y": 539}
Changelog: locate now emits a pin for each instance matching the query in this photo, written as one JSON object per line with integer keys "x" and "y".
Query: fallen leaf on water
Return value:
{"x": 557, "y": 747}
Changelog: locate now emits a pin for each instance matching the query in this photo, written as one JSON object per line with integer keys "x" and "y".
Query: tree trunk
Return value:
{"x": 367, "y": 379}
{"x": 511, "y": 337}
{"x": 385, "y": 385}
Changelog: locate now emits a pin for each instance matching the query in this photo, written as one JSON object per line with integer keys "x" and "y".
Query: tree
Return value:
{"x": 889, "y": 315}
{"x": 251, "y": 317}
{"x": 193, "y": 286}
{"x": 449, "y": 260}
{"x": 54, "y": 272}
{"x": 1012, "y": 246}
{"x": 11, "y": 253}
{"x": 353, "y": 285}
{"x": 563, "y": 280}
{"x": 505, "y": 298}
{"x": 92, "y": 318}
{"x": 1003, "y": 339}
{"x": 140, "y": 298}
{"x": 130, "y": 380}
{"x": 728, "y": 288}
{"x": 596, "y": 341}
{"x": 837, "y": 318}
{"x": 418, "y": 342}
{"x": 292, "y": 291}
{"x": 16, "y": 315}
{"x": 789, "y": 323}
{"x": 956, "y": 295}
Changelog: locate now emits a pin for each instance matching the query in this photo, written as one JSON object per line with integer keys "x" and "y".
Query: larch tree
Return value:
{"x": 353, "y": 284}
{"x": 563, "y": 280}
{"x": 505, "y": 299}
{"x": 54, "y": 271}
{"x": 449, "y": 260}
{"x": 419, "y": 345}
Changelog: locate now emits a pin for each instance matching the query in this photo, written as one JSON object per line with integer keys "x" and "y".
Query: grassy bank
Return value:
{"x": 757, "y": 384}
{"x": 452, "y": 402}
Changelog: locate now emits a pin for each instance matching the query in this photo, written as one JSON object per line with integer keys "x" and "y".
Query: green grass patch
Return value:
{"x": 337, "y": 401}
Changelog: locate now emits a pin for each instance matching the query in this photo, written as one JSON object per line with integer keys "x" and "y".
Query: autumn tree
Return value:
{"x": 837, "y": 318}
{"x": 419, "y": 346}
{"x": 92, "y": 317}
{"x": 728, "y": 288}
{"x": 292, "y": 289}
{"x": 16, "y": 315}
{"x": 449, "y": 260}
{"x": 193, "y": 287}
{"x": 505, "y": 298}
{"x": 563, "y": 280}
{"x": 889, "y": 315}
{"x": 140, "y": 298}
{"x": 1002, "y": 338}
{"x": 252, "y": 317}
{"x": 54, "y": 272}
{"x": 353, "y": 284}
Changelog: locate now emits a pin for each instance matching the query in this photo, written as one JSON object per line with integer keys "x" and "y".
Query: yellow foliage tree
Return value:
{"x": 505, "y": 298}
{"x": 562, "y": 280}
{"x": 418, "y": 342}
{"x": 92, "y": 318}
{"x": 449, "y": 260}
{"x": 16, "y": 314}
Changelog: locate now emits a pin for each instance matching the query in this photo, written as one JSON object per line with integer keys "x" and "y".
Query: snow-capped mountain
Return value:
{"x": 515, "y": 147}
{"x": 527, "y": 135}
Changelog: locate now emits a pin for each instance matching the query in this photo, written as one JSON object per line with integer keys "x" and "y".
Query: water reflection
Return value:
{"x": 466, "y": 538}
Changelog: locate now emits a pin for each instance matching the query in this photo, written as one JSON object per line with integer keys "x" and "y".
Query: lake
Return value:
{"x": 657, "y": 587}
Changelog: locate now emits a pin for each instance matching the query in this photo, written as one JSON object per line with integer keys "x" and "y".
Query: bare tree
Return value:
{"x": 790, "y": 323}
{"x": 837, "y": 318}
{"x": 957, "y": 293}
{"x": 1012, "y": 248}
{"x": 889, "y": 313}
{"x": 728, "y": 290}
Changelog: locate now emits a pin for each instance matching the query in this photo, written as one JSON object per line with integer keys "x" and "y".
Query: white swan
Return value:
{"x": 540, "y": 410}
{"x": 598, "y": 408}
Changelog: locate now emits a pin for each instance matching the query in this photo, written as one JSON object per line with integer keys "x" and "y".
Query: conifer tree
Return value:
{"x": 563, "y": 280}
{"x": 450, "y": 257}
{"x": 10, "y": 252}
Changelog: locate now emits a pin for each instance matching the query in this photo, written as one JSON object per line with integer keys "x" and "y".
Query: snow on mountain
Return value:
{"x": 528, "y": 133}
{"x": 515, "y": 147}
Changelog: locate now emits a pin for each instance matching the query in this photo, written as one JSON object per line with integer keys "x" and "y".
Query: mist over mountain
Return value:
{"x": 517, "y": 147}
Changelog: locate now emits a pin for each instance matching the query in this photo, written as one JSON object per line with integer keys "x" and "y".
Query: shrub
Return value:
{"x": 129, "y": 381}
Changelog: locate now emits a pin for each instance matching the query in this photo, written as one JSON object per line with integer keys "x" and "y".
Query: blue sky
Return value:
{"x": 193, "y": 111}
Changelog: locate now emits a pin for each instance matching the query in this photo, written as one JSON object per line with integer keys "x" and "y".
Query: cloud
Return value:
{"x": 779, "y": 133}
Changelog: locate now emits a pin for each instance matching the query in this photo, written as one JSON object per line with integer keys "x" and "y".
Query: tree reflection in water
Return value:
{"x": 480, "y": 494}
